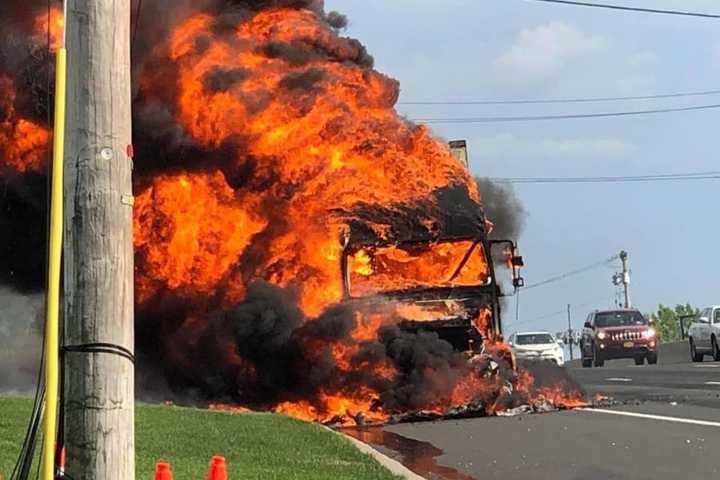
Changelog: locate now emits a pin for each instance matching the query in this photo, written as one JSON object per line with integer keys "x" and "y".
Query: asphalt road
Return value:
{"x": 664, "y": 425}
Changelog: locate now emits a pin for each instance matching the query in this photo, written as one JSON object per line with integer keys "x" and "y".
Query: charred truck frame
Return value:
{"x": 455, "y": 295}
{"x": 453, "y": 310}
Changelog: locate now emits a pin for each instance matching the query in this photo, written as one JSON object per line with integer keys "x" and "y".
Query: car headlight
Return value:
{"x": 649, "y": 333}
{"x": 601, "y": 335}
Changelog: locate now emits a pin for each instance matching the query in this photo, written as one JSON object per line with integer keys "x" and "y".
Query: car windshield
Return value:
{"x": 619, "y": 319}
{"x": 534, "y": 339}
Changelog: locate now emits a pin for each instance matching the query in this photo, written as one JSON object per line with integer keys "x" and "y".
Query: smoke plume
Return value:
{"x": 503, "y": 208}
{"x": 266, "y": 142}
{"x": 20, "y": 341}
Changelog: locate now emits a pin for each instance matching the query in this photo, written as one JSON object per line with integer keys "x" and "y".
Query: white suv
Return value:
{"x": 704, "y": 335}
{"x": 536, "y": 346}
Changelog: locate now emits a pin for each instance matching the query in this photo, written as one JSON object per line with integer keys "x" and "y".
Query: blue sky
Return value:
{"x": 518, "y": 49}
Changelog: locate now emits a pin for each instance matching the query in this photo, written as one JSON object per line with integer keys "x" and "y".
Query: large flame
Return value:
{"x": 323, "y": 134}
{"x": 281, "y": 132}
{"x": 446, "y": 264}
{"x": 23, "y": 143}
{"x": 50, "y": 28}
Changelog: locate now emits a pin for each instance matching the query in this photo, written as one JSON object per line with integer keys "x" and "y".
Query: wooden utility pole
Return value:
{"x": 98, "y": 285}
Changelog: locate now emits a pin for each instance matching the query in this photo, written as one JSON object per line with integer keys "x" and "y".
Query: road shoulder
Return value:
{"x": 395, "y": 467}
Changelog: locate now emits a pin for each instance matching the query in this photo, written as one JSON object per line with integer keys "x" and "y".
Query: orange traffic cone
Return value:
{"x": 218, "y": 469}
{"x": 163, "y": 472}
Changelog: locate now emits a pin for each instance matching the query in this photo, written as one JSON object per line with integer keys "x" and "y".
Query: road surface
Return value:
{"x": 666, "y": 425}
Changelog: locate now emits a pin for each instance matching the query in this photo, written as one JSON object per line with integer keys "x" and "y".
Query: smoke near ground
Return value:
{"x": 265, "y": 351}
{"x": 20, "y": 340}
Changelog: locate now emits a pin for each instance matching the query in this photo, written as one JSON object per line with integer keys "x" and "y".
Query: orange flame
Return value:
{"x": 343, "y": 128}
{"x": 301, "y": 140}
{"x": 397, "y": 268}
{"x": 23, "y": 143}
{"x": 55, "y": 25}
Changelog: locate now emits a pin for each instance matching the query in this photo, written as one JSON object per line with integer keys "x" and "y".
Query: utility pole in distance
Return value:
{"x": 625, "y": 277}
{"x": 570, "y": 334}
{"x": 98, "y": 322}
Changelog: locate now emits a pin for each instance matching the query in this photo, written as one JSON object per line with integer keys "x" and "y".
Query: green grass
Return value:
{"x": 256, "y": 445}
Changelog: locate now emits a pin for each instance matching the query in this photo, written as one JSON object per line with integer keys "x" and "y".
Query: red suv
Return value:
{"x": 611, "y": 334}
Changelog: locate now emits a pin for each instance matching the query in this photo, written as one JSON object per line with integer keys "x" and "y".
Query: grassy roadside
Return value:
{"x": 257, "y": 446}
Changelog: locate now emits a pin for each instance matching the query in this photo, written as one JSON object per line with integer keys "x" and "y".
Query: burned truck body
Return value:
{"x": 440, "y": 279}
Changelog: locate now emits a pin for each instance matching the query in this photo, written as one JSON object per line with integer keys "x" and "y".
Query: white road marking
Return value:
{"x": 712, "y": 383}
{"x": 707, "y": 366}
{"x": 618, "y": 379}
{"x": 648, "y": 416}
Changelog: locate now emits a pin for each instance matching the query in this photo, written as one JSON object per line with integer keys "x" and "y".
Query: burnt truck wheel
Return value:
{"x": 598, "y": 359}
{"x": 652, "y": 358}
{"x": 715, "y": 349}
{"x": 640, "y": 360}
{"x": 694, "y": 355}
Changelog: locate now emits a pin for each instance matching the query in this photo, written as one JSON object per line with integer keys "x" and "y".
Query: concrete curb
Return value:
{"x": 395, "y": 467}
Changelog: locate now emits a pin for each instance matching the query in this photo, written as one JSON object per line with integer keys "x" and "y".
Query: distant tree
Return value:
{"x": 667, "y": 320}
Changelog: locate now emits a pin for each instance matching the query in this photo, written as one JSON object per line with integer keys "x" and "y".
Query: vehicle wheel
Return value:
{"x": 587, "y": 362}
{"x": 715, "y": 349}
{"x": 694, "y": 355}
{"x": 598, "y": 360}
{"x": 639, "y": 360}
{"x": 652, "y": 358}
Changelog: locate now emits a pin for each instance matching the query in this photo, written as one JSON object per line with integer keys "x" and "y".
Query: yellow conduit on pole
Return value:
{"x": 52, "y": 329}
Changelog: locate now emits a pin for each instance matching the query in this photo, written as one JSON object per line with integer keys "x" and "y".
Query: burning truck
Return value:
{"x": 443, "y": 281}
{"x": 299, "y": 246}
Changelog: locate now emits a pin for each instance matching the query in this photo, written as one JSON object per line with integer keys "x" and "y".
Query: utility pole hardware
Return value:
{"x": 625, "y": 277}
{"x": 570, "y": 333}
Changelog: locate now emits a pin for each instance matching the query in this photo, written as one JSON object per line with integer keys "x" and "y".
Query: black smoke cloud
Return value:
{"x": 220, "y": 79}
{"x": 23, "y": 214}
{"x": 428, "y": 368}
{"x": 503, "y": 208}
{"x": 277, "y": 355}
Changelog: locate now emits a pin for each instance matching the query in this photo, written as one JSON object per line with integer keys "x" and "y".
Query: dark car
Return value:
{"x": 622, "y": 333}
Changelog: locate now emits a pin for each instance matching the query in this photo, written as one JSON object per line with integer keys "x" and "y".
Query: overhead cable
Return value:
{"x": 712, "y": 175}
{"x": 565, "y": 100}
{"x": 632, "y": 9}
{"x": 558, "y": 313}
{"x": 530, "y": 118}
{"x": 572, "y": 273}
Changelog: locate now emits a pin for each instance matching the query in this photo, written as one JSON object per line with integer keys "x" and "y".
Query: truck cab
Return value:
{"x": 445, "y": 285}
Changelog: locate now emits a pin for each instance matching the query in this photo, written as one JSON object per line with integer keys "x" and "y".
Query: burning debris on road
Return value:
{"x": 300, "y": 247}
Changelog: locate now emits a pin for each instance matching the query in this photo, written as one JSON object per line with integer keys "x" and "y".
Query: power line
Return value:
{"x": 565, "y": 100}
{"x": 619, "y": 179}
{"x": 572, "y": 273}
{"x": 537, "y": 319}
{"x": 531, "y": 118}
{"x": 632, "y": 9}
{"x": 558, "y": 313}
